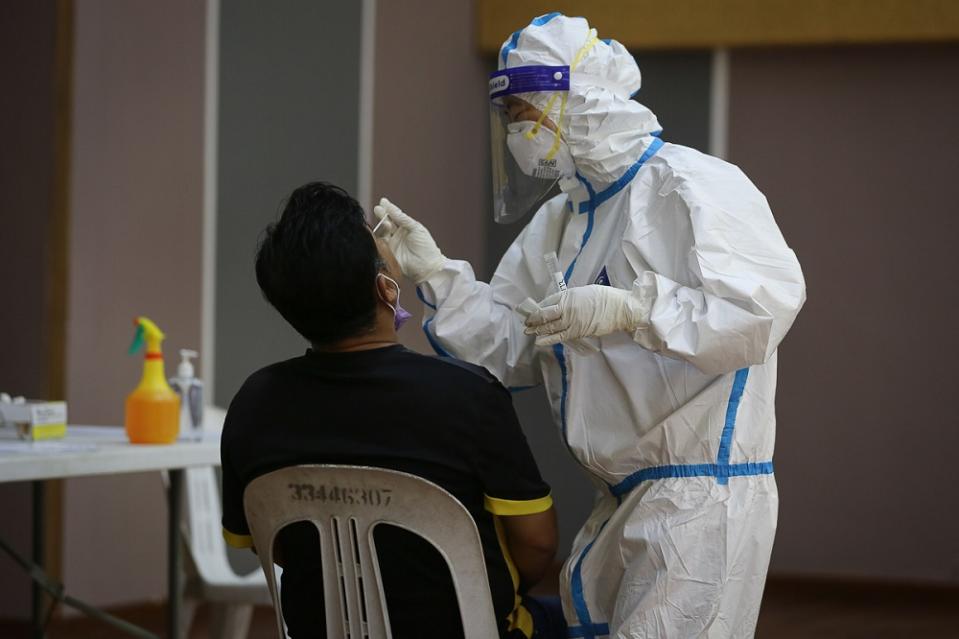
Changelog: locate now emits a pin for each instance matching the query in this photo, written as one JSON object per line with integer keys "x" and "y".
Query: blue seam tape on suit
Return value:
{"x": 722, "y": 471}
{"x": 597, "y": 199}
{"x": 576, "y": 590}
{"x": 588, "y": 632}
{"x": 587, "y": 628}
{"x": 588, "y": 205}
{"x": 589, "y": 231}
{"x": 732, "y": 408}
{"x": 561, "y": 360}
{"x": 744, "y": 469}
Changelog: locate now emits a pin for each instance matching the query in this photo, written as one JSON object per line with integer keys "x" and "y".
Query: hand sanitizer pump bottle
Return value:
{"x": 190, "y": 390}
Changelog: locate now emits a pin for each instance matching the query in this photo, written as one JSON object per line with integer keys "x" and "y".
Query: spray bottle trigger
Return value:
{"x": 137, "y": 341}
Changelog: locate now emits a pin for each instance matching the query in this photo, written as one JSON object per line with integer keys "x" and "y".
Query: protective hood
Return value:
{"x": 606, "y": 130}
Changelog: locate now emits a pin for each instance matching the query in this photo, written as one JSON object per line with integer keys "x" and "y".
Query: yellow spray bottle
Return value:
{"x": 152, "y": 409}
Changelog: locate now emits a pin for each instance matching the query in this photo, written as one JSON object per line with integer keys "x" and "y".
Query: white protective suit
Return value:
{"x": 675, "y": 421}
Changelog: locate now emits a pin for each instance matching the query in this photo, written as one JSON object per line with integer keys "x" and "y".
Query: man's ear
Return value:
{"x": 386, "y": 290}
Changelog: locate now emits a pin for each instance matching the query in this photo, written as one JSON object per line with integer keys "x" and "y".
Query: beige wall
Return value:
{"x": 136, "y": 198}
{"x": 429, "y": 135}
{"x": 855, "y": 148}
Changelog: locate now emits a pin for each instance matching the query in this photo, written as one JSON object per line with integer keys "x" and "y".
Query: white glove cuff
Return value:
{"x": 429, "y": 269}
{"x": 643, "y": 297}
{"x": 639, "y": 306}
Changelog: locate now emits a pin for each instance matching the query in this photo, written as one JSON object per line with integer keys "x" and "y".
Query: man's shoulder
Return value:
{"x": 474, "y": 373}
{"x": 262, "y": 383}
{"x": 269, "y": 374}
{"x": 444, "y": 372}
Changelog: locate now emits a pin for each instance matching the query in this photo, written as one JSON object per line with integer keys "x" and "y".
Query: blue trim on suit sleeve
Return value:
{"x": 420, "y": 295}
{"x": 433, "y": 341}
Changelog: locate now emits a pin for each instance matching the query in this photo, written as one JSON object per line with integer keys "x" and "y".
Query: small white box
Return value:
{"x": 35, "y": 419}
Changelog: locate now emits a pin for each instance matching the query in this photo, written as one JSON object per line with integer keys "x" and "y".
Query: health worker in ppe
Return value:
{"x": 659, "y": 359}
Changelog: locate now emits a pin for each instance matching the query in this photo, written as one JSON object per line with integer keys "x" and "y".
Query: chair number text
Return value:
{"x": 339, "y": 494}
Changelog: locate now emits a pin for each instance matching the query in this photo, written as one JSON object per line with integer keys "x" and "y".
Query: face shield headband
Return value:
{"x": 534, "y": 79}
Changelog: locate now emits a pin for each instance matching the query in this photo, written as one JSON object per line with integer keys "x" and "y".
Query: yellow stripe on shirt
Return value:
{"x": 237, "y": 541}
{"x": 519, "y": 618}
{"x": 507, "y": 507}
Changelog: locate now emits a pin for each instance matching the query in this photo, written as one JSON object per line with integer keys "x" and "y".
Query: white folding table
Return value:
{"x": 105, "y": 450}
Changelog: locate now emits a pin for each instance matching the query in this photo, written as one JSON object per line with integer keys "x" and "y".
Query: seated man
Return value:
{"x": 359, "y": 397}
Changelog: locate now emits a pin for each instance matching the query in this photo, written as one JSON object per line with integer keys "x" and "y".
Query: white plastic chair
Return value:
{"x": 210, "y": 578}
{"x": 345, "y": 503}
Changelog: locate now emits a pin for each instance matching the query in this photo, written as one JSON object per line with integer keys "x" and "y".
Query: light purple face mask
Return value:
{"x": 400, "y": 314}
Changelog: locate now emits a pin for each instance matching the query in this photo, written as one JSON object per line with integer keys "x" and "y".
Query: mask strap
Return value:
{"x": 542, "y": 116}
{"x": 557, "y": 138}
{"x": 393, "y": 282}
{"x": 591, "y": 41}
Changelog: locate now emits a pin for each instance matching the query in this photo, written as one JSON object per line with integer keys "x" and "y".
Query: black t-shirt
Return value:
{"x": 437, "y": 418}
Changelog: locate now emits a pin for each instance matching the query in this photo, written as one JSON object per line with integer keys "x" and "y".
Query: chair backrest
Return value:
{"x": 204, "y": 529}
{"x": 345, "y": 503}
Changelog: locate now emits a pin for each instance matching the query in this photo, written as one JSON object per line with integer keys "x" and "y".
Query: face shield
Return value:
{"x": 528, "y": 155}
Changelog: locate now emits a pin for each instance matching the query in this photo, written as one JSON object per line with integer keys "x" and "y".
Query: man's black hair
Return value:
{"x": 317, "y": 265}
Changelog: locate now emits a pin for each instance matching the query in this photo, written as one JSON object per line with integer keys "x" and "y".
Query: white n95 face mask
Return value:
{"x": 532, "y": 151}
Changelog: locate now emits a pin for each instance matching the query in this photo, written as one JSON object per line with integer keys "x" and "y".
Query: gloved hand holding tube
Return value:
{"x": 411, "y": 243}
{"x": 585, "y": 311}
{"x": 529, "y": 307}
